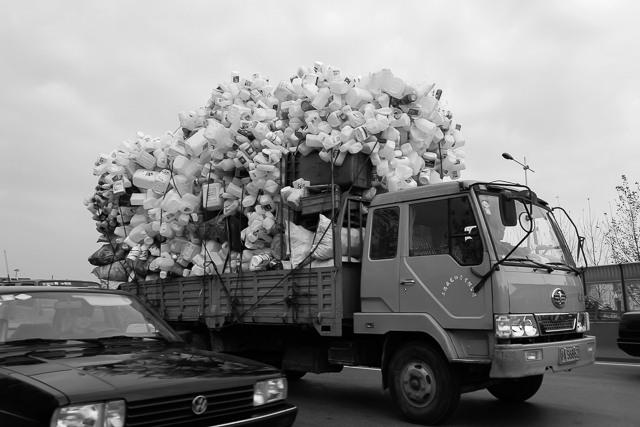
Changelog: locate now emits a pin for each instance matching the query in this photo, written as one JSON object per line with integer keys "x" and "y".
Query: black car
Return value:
{"x": 629, "y": 333}
{"x": 101, "y": 358}
{"x": 51, "y": 282}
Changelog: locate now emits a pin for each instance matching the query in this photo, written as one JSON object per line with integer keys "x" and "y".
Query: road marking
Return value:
{"x": 637, "y": 365}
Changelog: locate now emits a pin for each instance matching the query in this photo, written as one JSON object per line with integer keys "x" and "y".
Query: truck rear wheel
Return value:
{"x": 424, "y": 386}
{"x": 199, "y": 341}
{"x": 516, "y": 390}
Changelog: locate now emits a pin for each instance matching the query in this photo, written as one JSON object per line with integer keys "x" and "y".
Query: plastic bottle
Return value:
{"x": 459, "y": 138}
{"x": 171, "y": 201}
{"x": 321, "y": 99}
{"x": 403, "y": 172}
{"x": 211, "y": 196}
{"x": 137, "y": 199}
{"x": 144, "y": 159}
{"x": 134, "y": 253}
{"x": 395, "y": 87}
{"x": 161, "y": 181}
{"x": 260, "y": 261}
{"x": 144, "y": 179}
{"x": 430, "y": 159}
{"x": 189, "y": 203}
{"x": 357, "y": 96}
{"x": 138, "y": 233}
{"x": 388, "y": 151}
{"x": 393, "y": 182}
{"x": 182, "y": 184}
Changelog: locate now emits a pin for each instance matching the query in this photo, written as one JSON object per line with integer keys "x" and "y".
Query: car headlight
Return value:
{"x": 109, "y": 414}
{"x": 269, "y": 391}
{"x": 516, "y": 326}
{"x": 582, "y": 324}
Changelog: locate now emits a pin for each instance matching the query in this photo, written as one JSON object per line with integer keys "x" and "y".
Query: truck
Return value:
{"x": 446, "y": 288}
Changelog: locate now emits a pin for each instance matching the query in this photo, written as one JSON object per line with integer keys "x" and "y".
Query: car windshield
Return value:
{"x": 76, "y": 315}
{"x": 542, "y": 245}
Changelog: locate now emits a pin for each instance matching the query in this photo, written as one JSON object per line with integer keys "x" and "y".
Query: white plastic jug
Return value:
{"x": 144, "y": 179}
{"x": 211, "y": 196}
{"x": 161, "y": 181}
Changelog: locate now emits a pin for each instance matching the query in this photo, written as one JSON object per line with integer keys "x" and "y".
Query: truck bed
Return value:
{"x": 320, "y": 297}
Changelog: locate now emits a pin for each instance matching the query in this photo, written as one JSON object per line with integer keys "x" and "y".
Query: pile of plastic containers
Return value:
{"x": 213, "y": 195}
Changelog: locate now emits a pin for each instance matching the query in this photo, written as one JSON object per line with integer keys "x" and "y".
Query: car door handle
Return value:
{"x": 407, "y": 282}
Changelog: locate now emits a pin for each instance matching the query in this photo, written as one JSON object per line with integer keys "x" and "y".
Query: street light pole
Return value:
{"x": 524, "y": 165}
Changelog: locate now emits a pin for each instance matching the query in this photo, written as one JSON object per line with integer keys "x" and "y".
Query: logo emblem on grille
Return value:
{"x": 199, "y": 404}
{"x": 558, "y": 297}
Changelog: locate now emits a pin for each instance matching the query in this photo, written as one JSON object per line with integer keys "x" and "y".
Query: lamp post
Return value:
{"x": 524, "y": 165}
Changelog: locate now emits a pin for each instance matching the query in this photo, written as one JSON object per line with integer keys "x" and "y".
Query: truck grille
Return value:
{"x": 176, "y": 410}
{"x": 552, "y": 323}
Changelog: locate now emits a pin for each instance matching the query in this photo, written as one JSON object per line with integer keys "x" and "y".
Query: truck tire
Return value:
{"x": 425, "y": 388}
{"x": 516, "y": 390}
{"x": 293, "y": 375}
{"x": 199, "y": 341}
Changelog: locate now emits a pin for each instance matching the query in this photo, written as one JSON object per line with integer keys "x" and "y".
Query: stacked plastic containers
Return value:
{"x": 226, "y": 159}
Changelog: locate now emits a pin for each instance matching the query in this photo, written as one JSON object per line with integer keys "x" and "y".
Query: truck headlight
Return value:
{"x": 582, "y": 324}
{"x": 109, "y": 414}
{"x": 516, "y": 326}
{"x": 269, "y": 391}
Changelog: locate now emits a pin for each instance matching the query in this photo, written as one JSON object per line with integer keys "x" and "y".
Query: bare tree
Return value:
{"x": 623, "y": 234}
{"x": 623, "y": 228}
{"x": 593, "y": 229}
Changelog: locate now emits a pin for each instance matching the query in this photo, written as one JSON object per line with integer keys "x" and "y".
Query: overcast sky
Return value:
{"x": 555, "y": 82}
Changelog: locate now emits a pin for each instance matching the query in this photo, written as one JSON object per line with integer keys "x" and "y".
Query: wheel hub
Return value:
{"x": 417, "y": 383}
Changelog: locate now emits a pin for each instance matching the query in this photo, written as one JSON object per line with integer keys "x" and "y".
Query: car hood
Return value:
{"x": 89, "y": 374}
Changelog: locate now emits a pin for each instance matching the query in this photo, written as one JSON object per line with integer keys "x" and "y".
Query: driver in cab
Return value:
{"x": 80, "y": 323}
{"x": 500, "y": 236}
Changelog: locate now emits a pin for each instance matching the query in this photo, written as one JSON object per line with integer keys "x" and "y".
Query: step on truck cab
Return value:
{"x": 447, "y": 288}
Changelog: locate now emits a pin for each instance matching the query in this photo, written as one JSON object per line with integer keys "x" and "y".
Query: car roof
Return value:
{"x": 58, "y": 289}
{"x": 51, "y": 282}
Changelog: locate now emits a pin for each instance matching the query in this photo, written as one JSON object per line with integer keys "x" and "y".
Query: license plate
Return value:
{"x": 569, "y": 354}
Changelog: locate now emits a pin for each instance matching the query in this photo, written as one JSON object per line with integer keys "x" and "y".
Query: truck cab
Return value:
{"x": 483, "y": 270}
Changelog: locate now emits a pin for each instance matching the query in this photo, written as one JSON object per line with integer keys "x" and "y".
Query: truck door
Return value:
{"x": 379, "y": 287}
{"x": 442, "y": 247}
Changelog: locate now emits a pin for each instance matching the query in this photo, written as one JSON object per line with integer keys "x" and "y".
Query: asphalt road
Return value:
{"x": 604, "y": 394}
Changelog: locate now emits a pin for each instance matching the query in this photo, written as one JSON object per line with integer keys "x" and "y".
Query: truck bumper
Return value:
{"x": 522, "y": 360}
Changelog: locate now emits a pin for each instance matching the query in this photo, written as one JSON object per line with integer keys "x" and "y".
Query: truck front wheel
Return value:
{"x": 293, "y": 375}
{"x": 516, "y": 390}
{"x": 424, "y": 386}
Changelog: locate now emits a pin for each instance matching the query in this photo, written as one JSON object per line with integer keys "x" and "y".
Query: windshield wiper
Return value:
{"x": 562, "y": 264}
{"x": 132, "y": 339}
{"x": 539, "y": 264}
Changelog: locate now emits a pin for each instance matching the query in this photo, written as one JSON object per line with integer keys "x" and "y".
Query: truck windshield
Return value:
{"x": 543, "y": 244}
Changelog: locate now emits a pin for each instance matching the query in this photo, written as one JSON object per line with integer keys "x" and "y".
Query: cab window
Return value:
{"x": 445, "y": 227}
{"x": 384, "y": 233}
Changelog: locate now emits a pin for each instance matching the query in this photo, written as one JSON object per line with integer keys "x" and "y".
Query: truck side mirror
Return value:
{"x": 508, "y": 210}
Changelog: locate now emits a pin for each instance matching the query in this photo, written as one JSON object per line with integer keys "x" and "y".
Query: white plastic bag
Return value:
{"x": 323, "y": 239}
{"x": 299, "y": 239}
